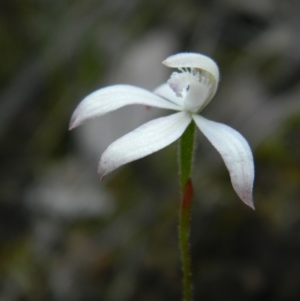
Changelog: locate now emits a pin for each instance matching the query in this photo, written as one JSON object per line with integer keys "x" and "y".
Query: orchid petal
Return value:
{"x": 143, "y": 141}
{"x": 198, "y": 61}
{"x": 166, "y": 92}
{"x": 236, "y": 154}
{"x": 111, "y": 98}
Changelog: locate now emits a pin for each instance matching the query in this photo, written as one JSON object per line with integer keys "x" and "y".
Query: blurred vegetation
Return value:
{"x": 59, "y": 243}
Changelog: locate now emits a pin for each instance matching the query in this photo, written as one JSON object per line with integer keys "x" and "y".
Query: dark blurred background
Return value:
{"x": 66, "y": 236}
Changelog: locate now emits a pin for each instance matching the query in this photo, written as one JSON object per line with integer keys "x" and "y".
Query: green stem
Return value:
{"x": 186, "y": 155}
{"x": 186, "y": 161}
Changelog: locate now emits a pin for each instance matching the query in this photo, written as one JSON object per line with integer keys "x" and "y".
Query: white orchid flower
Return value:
{"x": 188, "y": 92}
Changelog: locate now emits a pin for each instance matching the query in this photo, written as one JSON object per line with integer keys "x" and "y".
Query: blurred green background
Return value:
{"x": 64, "y": 235}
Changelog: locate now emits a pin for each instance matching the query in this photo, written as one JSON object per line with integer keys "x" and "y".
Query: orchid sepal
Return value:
{"x": 236, "y": 153}
{"x": 143, "y": 141}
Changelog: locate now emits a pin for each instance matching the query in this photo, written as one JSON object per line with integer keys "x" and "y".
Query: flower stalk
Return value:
{"x": 185, "y": 165}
